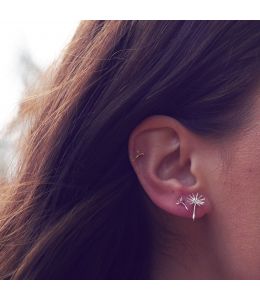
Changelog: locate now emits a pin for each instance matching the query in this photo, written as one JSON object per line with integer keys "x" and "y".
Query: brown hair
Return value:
{"x": 74, "y": 208}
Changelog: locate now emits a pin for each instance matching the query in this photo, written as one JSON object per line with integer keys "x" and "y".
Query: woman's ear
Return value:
{"x": 163, "y": 154}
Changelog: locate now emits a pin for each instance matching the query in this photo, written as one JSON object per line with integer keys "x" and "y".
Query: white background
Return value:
{"x": 43, "y": 40}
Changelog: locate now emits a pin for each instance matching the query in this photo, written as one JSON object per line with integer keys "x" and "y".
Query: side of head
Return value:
{"x": 179, "y": 91}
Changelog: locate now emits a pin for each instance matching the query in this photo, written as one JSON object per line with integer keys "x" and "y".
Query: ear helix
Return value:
{"x": 138, "y": 154}
{"x": 191, "y": 199}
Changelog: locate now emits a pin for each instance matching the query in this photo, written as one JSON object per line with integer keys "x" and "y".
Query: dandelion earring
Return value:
{"x": 195, "y": 200}
{"x": 192, "y": 199}
{"x": 181, "y": 201}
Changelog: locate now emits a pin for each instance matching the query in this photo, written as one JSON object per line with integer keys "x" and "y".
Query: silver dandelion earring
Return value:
{"x": 181, "y": 201}
{"x": 192, "y": 199}
{"x": 195, "y": 200}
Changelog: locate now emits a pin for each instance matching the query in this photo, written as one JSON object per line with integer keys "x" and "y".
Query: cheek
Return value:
{"x": 237, "y": 210}
{"x": 243, "y": 174}
{"x": 241, "y": 169}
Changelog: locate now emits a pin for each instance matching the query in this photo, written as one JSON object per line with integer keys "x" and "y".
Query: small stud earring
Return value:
{"x": 139, "y": 154}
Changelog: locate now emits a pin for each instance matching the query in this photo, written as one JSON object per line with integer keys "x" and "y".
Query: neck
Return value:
{"x": 184, "y": 250}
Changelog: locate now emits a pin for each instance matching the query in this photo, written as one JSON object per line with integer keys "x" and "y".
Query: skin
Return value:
{"x": 223, "y": 241}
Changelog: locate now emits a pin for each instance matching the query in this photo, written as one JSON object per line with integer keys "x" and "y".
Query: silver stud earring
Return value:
{"x": 138, "y": 154}
{"x": 192, "y": 199}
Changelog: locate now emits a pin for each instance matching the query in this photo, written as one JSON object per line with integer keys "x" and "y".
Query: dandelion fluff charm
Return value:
{"x": 195, "y": 200}
{"x": 181, "y": 201}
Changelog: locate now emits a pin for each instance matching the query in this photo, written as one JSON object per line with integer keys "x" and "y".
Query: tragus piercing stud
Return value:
{"x": 192, "y": 199}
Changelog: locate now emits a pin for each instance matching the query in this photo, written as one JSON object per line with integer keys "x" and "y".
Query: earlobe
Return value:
{"x": 193, "y": 200}
{"x": 159, "y": 154}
